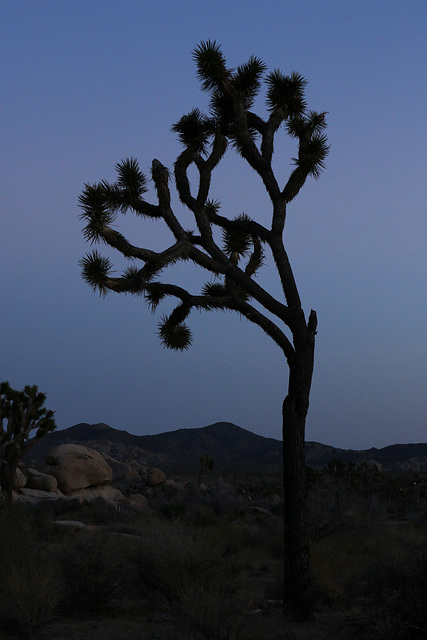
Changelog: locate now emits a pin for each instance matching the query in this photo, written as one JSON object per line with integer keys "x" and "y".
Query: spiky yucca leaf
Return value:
{"x": 174, "y": 336}
{"x": 296, "y": 126}
{"x": 194, "y": 130}
{"x": 153, "y": 297}
{"x": 237, "y": 241}
{"x": 247, "y": 79}
{"x": 313, "y": 154}
{"x": 132, "y": 275}
{"x": 286, "y": 92}
{"x": 126, "y": 193}
{"x": 316, "y": 121}
{"x": 257, "y": 257}
{"x": 130, "y": 272}
{"x": 221, "y": 107}
{"x": 96, "y": 212}
{"x": 212, "y": 206}
{"x": 130, "y": 176}
{"x": 304, "y": 126}
{"x": 214, "y": 289}
{"x": 95, "y": 271}
{"x": 211, "y": 65}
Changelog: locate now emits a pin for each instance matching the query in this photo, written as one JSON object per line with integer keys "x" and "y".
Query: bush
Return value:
{"x": 30, "y": 591}
{"x": 397, "y": 593}
{"x": 214, "y": 609}
{"x": 30, "y": 577}
{"x": 95, "y": 571}
{"x": 172, "y": 554}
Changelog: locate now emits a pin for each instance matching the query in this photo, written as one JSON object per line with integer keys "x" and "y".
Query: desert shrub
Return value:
{"x": 171, "y": 509}
{"x": 95, "y": 571}
{"x": 30, "y": 578}
{"x": 385, "y": 567}
{"x": 213, "y": 608}
{"x": 98, "y": 511}
{"x": 202, "y": 515}
{"x": 396, "y": 589}
{"x": 30, "y": 592}
{"x": 172, "y": 554}
{"x": 21, "y": 522}
{"x": 336, "y": 565}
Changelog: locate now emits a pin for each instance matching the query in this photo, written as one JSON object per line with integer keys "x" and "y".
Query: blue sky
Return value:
{"x": 86, "y": 84}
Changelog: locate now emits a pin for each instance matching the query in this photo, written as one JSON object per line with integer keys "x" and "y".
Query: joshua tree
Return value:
{"x": 206, "y": 466}
{"x": 232, "y": 250}
{"x": 20, "y": 413}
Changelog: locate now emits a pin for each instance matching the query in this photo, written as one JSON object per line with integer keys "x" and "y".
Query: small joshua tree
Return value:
{"x": 206, "y": 466}
{"x": 232, "y": 250}
{"x": 21, "y": 412}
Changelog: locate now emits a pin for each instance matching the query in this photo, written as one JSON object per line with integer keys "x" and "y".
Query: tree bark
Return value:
{"x": 297, "y": 585}
{"x": 7, "y": 473}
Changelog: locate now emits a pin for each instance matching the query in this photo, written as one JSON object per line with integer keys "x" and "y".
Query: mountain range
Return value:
{"x": 228, "y": 444}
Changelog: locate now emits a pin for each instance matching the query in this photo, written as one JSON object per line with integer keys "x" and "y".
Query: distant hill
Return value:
{"x": 228, "y": 444}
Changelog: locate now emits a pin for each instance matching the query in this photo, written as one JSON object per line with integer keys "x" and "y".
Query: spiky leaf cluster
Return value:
{"x": 227, "y": 87}
{"x": 174, "y": 336}
{"x": 97, "y": 212}
{"x": 126, "y": 193}
{"x": 211, "y": 66}
{"x": 312, "y": 155}
{"x": 237, "y": 240}
{"x": 313, "y": 144}
{"x": 286, "y": 93}
{"x": 214, "y": 289}
{"x": 95, "y": 271}
{"x": 153, "y": 296}
{"x": 194, "y": 131}
{"x": 247, "y": 80}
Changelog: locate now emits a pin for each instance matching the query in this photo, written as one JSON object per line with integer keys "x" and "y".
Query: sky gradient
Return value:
{"x": 86, "y": 84}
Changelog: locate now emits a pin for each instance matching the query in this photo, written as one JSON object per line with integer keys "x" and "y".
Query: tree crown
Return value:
{"x": 235, "y": 261}
{"x": 21, "y": 412}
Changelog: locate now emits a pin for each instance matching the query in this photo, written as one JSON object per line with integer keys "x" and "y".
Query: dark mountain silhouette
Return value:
{"x": 228, "y": 444}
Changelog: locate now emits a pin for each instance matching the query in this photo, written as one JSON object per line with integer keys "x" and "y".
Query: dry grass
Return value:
{"x": 196, "y": 572}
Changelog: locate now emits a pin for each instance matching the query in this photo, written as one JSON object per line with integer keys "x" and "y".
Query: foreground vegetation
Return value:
{"x": 199, "y": 567}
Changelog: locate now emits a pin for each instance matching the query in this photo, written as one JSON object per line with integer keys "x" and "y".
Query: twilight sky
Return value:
{"x": 85, "y": 84}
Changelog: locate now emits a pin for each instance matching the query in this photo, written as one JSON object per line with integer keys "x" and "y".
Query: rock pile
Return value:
{"x": 75, "y": 472}
{"x": 77, "y": 467}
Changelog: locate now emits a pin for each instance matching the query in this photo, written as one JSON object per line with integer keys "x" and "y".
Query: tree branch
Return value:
{"x": 269, "y": 327}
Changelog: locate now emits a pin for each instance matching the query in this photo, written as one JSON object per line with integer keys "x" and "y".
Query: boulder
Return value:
{"x": 123, "y": 470}
{"x": 19, "y": 480}
{"x": 155, "y": 477}
{"x": 77, "y": 467}
{"x": 107, "y": 493}
{"x": 70, "y": 525}
{"x": 43, "y": 482}
{"x": 137, "y": 501}
{"x": 36, "y": 495}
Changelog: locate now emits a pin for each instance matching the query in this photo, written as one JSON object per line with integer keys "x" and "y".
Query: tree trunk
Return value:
{"x": 297, "y": 588}
{"x": 7, "y": 474}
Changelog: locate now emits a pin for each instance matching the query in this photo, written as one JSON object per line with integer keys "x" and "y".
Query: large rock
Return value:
{"x": 41, "y": 481}
{"x": 107, "y": 493}
{"x": 137, "y": 501}
{"x": 77, "y": 467}
{"x": 34, "y": 496}
{"x": 155, "y": 477}
{"x": 122, "y": 471}
{"x": 19, "y": 479}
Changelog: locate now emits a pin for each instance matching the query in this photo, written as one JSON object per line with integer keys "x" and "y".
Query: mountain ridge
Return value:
{"x": 228, "y": 444}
